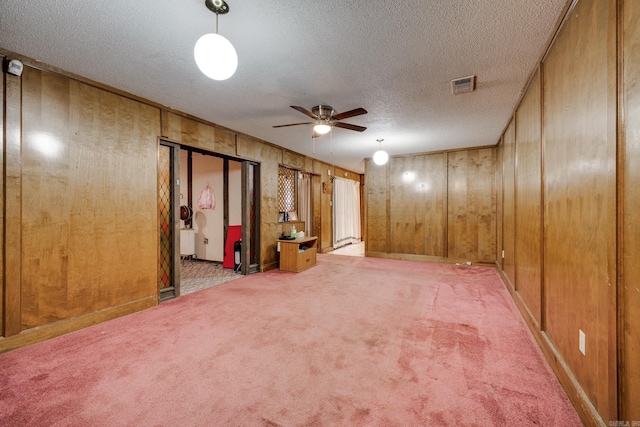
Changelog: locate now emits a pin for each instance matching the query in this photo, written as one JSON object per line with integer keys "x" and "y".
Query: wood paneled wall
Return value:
{"x": 567, "y": 160}
{"x": 472, "y": 205}
{"x": 201, "y": 135}
{"x": 630, "y": 163}
{"x": 436, "y": 206}
{"x": 88, "y": 186}
{"x": 417, "y": 200}
{"x": 79, "y": 200}
{"x": 580, "y": 197}
{"x": 270, "y": 157}
{"x": 508, "y": 201}
{"x": 528, "y": 200}
{"x": 499, "y": 201}
{"x": 376, "y": 191}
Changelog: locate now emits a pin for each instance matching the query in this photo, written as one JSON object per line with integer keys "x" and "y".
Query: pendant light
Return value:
{"x": 215, "y": 55}
{"x": 380, "y": 157}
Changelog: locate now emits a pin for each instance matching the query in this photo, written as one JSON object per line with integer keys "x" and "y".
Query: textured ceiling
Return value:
{"x": 395, "y": 59}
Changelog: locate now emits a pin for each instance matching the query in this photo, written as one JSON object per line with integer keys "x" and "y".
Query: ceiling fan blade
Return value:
{"x": 350, "y": 113}
{"x": 305, "y": 111}
{"x": 350, "y": 127}
{"x": 292, "y": 124}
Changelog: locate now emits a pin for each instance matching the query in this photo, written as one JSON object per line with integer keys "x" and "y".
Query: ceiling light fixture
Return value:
{"x": 322, "y": 128}
{"x": 215, "y": 55}
{"x": 380, "y": 157}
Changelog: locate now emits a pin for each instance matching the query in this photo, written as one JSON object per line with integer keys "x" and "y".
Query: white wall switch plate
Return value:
{"x": 583, "y": 343}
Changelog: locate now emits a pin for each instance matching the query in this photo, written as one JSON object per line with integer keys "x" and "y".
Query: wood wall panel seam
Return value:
{"x": 528, "y": 181}
{"x": 2, "y": 200}
{"x": 13, "y": 206}
{"x": 620, "y": 214}
{"x": 543, "y": 296}
{"x": 445, "y": 241}
{"x": 628, "y": 157}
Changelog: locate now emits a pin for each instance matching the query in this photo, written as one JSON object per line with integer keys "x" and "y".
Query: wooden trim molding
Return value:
{"x": 429, "y": 258}
{"x": 269, "y": 266}
{"x": 575, "y": 393}
{"x": 52, "y": 330}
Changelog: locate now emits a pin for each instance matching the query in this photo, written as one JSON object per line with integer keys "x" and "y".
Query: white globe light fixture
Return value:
{"x": 380, "y": 157}
{"x": 215, "y": 55}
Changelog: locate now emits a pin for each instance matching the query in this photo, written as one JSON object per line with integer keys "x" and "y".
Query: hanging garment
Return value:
{"x": 207, "y": 199}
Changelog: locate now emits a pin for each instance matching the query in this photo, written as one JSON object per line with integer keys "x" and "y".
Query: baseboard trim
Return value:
{"x": 586, "y": 411}
{"x": 428, "y": 258}
{"x": 61, "y": 327}
{"x": 269, "y": 266}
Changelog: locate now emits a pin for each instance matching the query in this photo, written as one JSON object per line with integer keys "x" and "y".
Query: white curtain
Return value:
{"x": 346, "y": 212}
{"x": 304, "y": 203}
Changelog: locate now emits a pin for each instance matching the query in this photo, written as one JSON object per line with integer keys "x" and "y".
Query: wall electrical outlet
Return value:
{"x": 582, "y": 342}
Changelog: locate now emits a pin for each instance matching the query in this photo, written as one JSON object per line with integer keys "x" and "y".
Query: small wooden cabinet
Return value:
{"x": 299, "y": 254}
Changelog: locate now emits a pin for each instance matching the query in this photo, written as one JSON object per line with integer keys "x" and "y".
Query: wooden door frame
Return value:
{"x": 174, "y": 290}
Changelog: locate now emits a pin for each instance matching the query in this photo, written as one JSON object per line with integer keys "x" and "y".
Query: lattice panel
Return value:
{"x": 286, "y": 190}
{"x": 165, "y": 272}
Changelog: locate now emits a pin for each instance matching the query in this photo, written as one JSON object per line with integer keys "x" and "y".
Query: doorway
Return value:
{"x": 214, "y": 204}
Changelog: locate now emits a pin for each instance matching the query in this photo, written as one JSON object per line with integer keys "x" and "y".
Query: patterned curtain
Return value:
{"x": 346, "y": 212}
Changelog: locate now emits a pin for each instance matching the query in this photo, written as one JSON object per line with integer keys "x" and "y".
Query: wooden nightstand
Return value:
{"x": 299, "y": 254}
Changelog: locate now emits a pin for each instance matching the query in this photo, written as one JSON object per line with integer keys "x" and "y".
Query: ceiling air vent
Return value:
{"x": 463, "y": 85}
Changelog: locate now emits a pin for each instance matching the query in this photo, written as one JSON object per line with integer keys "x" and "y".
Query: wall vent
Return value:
{"x": 463, "y": 85}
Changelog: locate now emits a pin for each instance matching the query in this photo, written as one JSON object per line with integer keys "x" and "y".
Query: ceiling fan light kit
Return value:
{"x": 214, "y": 54}
{"x": 325, "y": 118}
{"x": 322, "y": 128}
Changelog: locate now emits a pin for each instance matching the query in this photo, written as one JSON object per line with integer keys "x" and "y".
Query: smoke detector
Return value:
{"x": 463, "y": 85}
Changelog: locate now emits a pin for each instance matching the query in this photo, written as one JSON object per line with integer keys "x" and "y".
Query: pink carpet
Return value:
{"x": 350, "y": 342}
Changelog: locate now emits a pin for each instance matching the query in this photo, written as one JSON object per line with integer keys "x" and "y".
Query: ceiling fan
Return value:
{"x": 326, "y": 118}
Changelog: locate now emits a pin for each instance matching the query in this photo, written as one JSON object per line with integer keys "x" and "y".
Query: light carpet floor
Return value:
{"x": 350, "y": 342}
